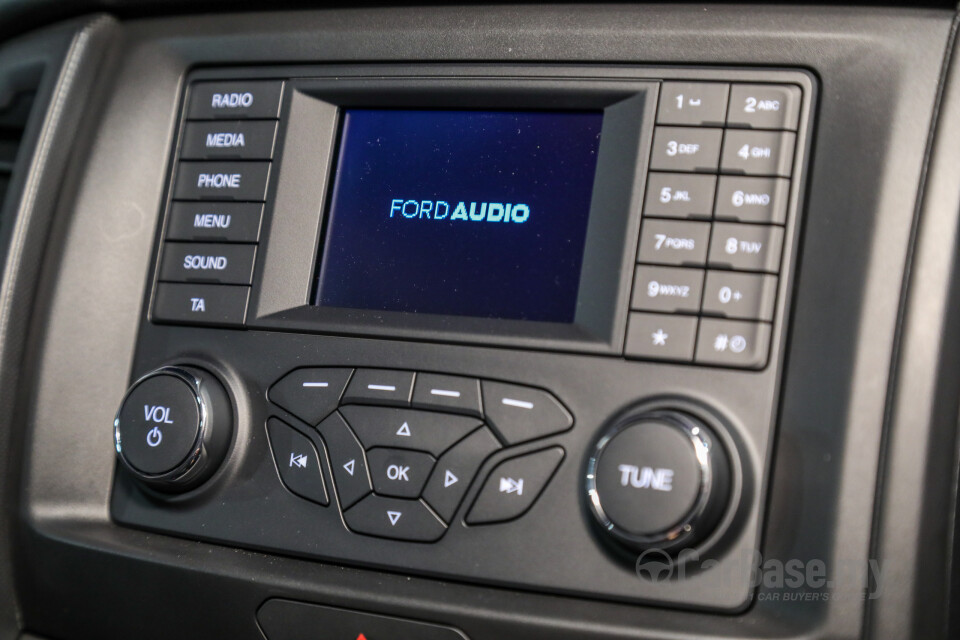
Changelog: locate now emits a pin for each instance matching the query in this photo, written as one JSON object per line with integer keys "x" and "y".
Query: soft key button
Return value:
{"x": 520, "y": 413}
{"x": 228, "y": 140}
{"x": 764, "y": 106}
{"x": 239, "y": 99}
{"x": 380, "y": 386}
{"x": 667, "y": 289}
{"x": 215, "y": 221}
{"x": 447, "y": 393}
{"x": 746, "y": 247}
{"x": 758, "y": 153}
{"x": 686, "y": 149}
{"x": 762, "y": 200}
{"x": 693, "y": 103}
{"x": 222, "y": 181}
{"x": 214, "y": 263}
{"x": 674, "y": 242}
{"x": 311, "y": 393}
{"x": 679, "y": 195}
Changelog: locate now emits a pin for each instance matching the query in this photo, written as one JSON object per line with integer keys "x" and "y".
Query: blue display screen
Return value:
{"x": 467, "y": 213}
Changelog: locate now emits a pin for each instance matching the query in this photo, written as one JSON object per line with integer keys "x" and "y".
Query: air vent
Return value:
{"x": 16, "y": 100}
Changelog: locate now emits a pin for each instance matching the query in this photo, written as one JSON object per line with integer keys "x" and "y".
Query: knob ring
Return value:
{"x": 689, "y": 526}
{"x": 183, "y": 471}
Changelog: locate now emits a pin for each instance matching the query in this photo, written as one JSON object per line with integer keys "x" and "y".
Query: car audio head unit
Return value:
{"x": 470, "y": 320}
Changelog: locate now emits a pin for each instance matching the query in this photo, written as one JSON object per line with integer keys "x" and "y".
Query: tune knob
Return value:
{"x": 173, "y": 428}
{"x": 658, "y": 480}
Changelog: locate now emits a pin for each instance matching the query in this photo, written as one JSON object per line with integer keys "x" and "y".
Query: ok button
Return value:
{"x": 399, "y": 473}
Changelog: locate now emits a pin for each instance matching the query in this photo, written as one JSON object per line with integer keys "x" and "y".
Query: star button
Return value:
{"x": 660, "y": 338}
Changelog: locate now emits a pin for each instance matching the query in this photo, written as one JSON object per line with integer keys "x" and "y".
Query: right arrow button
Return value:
{"x": 455, "y": 470}
{"x": 513, "y": 486}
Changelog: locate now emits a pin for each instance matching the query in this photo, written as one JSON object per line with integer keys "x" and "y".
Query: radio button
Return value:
{"x": 740, "y": 295}
{"x": 206, "y": 304}
{"x": 447, "y": 393}
{"x": 407, "y": 429}
{"x": 215, "y": 221}
{"x": 667, "y": 289}
{"x": 394, "y": 518}
{"x": 519, "y": 414}
{"x": 763, "y": 106}
{"x": 758, "y": 153}
{"x": 347, "y": 459}
{"x": 237, "y": 140}
{"x": 241, "y": 99}
{"x": 297, "y": 462}
{"x": 735, "y": 344}
{"x": 214, "y": 263}
{"x": 693, "y": 103}
{"x": 513, "y": 486}
{"x": 679, "y": 195}
{"x": 762, "y": 200}
{"x": 673, "y": 242}
{"x": 380, "y": 386}
{"x": 686, "y": 149}
{"x": 746, "y": 247}
{"x": 399, "y": 473}
{"x": 222, "y": 181}
{"x": 659, "y": 336}
{"x": 455, "y": 471}
{"x": 310, "y": 394}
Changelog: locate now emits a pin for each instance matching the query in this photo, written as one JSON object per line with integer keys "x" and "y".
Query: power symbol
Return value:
{"x": 154, "y": 437}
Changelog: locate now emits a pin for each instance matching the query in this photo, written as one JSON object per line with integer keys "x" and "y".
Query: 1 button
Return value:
{"x": 407, "y": 429}
{"x": 674, "y": 242}
{"x": 667, "y": 289}
{"x": 693, "y": 103}
{"x": 394, "y": 518}
{"x": 215, "y": 221}
{"x": 228, "y": 140}
{"x": 380, "y": 386}
{"x": 398, "y": 472}
{"x": 519, "y": 414}
{"x": 761, "y": 200}
{"x": 758, "y": 153}
{"x": 206, "y": 304}
{"x": 740, "y": 295}
{"x": 297, "y": 461}
{"x": 686, "y": 149}
{"x": 679, "y": 195}
{"x": 213, "y": 263}
{"x": 660, "y": 337}
{"x": 513, "y": 486}
{"x": 447, "y": 393}
{"x": 455, "y": 470}
{"x": 311, "y": 394}
{"x": 746, "y": 247}
{"x": 241, "y": 99}
{"x": 764, "y": 106}
{"x": 731, "y": 343}
{"x": 347, "y": 459}
{"x": 222, "y": 181}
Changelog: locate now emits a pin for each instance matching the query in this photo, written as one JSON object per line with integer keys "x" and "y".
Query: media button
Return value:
{"x": 213, "y": 263}
{"x": 237, "y": 140}
{"x": 206, "y": 304}
{"x": 399, "y": 473}
{"x": 222, "y": 181}
{"x": 519, "y": 414}
{"x": 235, "y": 99}
{"x": 447, "y": 393}
{"x": 215, "y": 221}
{"x": 394, "y": 518}
{"x": 513, "y": 486}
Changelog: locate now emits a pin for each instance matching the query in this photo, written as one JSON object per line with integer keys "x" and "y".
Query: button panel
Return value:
{"x": 391, "y": 463}
{"x": 713, "y": 224}
{"x": 221, "y": 182}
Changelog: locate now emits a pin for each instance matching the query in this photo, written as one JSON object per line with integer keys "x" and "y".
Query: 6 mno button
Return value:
{"x": 658, "y": 480}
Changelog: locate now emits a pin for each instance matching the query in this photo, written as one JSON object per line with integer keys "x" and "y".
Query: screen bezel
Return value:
{"x": 303, "y": 171}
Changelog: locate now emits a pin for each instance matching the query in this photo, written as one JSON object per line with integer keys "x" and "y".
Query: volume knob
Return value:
{"x": 658, "y": 480}
{"x": 173, "y": 428}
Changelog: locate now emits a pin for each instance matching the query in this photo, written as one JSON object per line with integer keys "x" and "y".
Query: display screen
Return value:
{"x": 467, "y": 213}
